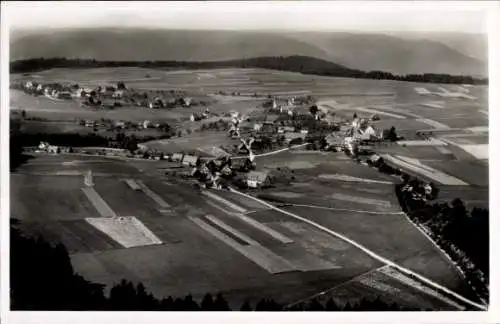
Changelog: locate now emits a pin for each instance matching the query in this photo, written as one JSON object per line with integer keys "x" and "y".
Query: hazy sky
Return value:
{"x": 374, "y": 16}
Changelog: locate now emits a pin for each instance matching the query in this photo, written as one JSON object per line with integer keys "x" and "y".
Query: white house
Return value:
{"x": 256, "y": 179}
{"x": 374, "y": 158}
{"x": 118, "y": 94}
{"x": 177, "y": 157}
{"x": 52, "y": 149}
{"x": 257, "y": 127}
{"x": 90, "y": 123}
{"x": 187, "y": 101}
{"x": 289, "y": 137}
{"x": 146, "y": 124}
{"x": 190, "y": 160}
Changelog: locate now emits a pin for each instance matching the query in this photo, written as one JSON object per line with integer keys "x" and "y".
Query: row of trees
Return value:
{"x": 120, "y": 140}
{"x": 302, "y": 64}
{"x": 42, "y": 278}
{"x": 461, "y": 232}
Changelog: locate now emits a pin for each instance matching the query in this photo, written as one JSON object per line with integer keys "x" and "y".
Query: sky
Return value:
{"x": 361, "y": 16}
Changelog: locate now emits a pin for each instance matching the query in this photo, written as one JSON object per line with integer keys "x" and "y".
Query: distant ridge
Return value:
{"x": 383, "y": 52}
{"x": 300, "y": 64}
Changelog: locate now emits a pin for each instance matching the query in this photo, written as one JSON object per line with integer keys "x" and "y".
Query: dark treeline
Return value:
{"x": 461, "y": 232}
{"x": 119, "y": 140}
{"x": 42, "y": 278}
{"x": 301, "y": 64}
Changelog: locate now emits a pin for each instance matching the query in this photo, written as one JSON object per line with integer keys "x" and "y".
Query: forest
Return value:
{"x": 301, "y": 64}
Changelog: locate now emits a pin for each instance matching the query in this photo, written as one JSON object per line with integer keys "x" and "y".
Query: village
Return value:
{"x": 286, "y": 123}
{"x": 229, "y": 162}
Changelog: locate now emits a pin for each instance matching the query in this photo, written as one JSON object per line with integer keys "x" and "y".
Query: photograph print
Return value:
{"x": 281, "y": 156}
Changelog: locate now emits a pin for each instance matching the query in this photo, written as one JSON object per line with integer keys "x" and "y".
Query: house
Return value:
{"x": 120, "y": 124}
{"x": 53, "y": 149}
{"x": 257, "y": 127}
{"x": 374, "y": 158}
{"x": 142, "y": 147}
{"x": 285, "y": 129}
{"x": 190, "y": 160}
{"x": 90, "y": 123}
{"x": 289, "y": 137}
{"x": 304, "y": 131}
{"x": 108, "y": 90}
{"x": 257, "y": 179}
{"x": 334, "y": 142}
{"x": 118, "y": 94}
{"x": 146, "y": 124}
{"x": 177, "y": 157}
{"x": 187, "y": 101}
{"x": 153, "y": 105}
{"x": 64, "y": 95}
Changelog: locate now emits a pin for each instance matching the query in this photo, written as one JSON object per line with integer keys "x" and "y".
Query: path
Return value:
{"x": 374, "y": 255}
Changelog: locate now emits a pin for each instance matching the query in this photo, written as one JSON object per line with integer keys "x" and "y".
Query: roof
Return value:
{"x": 259, "y": 176}
{"x": 334, "y": 140}
{"x": 190, "y": 158}
{"x": 292, "y": 136}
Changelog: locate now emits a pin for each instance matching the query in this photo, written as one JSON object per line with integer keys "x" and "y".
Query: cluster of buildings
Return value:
{"x": 53, "y": 90}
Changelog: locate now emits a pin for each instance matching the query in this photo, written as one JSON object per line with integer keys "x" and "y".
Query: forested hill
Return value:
{"x": 301, "y": 64}
{"x": 369, "y": 51}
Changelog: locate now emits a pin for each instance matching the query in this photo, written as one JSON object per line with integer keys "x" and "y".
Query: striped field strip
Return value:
{"x": 99, "y": 204}
{"x": 256, "y": 253}
{"x": 276, "y": 235}
{"x": 224, "y": 201}
{"x": 391, "y": 272}
{"x": 370, "y": 253}
{"x": 132, "y": 184}
{"x": 151, "y": 194}
{"x": 231, "y": 230}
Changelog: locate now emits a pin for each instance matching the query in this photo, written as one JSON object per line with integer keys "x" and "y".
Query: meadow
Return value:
{"x": 191, "y": 259}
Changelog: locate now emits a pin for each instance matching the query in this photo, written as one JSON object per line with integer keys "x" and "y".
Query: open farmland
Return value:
{"x": 262, "y": 253}
{"x": 187, "y": 242}
{"x": 376, "y": 232}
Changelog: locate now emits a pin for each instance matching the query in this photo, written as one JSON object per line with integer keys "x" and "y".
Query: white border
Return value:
{"x": 491, "y": 316}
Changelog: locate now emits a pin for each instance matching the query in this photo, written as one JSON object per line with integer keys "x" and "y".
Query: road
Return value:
{"x": 374, "y": 255}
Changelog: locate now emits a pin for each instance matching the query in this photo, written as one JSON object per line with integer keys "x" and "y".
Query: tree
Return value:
{"x": 190, "y": 304}
{"x": 246, "y": 307}
{"x": 315, "y": 306}
{"x": 220, "y": 304}
{"x": 313, "y": 110}
{"x": 207, "y": 304}
{"x": 391, "y": 134}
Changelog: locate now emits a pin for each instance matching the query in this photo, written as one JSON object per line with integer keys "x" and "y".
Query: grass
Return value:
{"x": 376, "y": 284}
{"x": 30, "y": 196}
{"x": 473, "y": 172}
{"x": 408, "y": 247}
{"x": 191, "y": 261}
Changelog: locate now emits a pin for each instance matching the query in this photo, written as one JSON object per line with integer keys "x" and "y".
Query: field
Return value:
{"x": 223, "y": 242}
{"x": 245, "y": 256}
